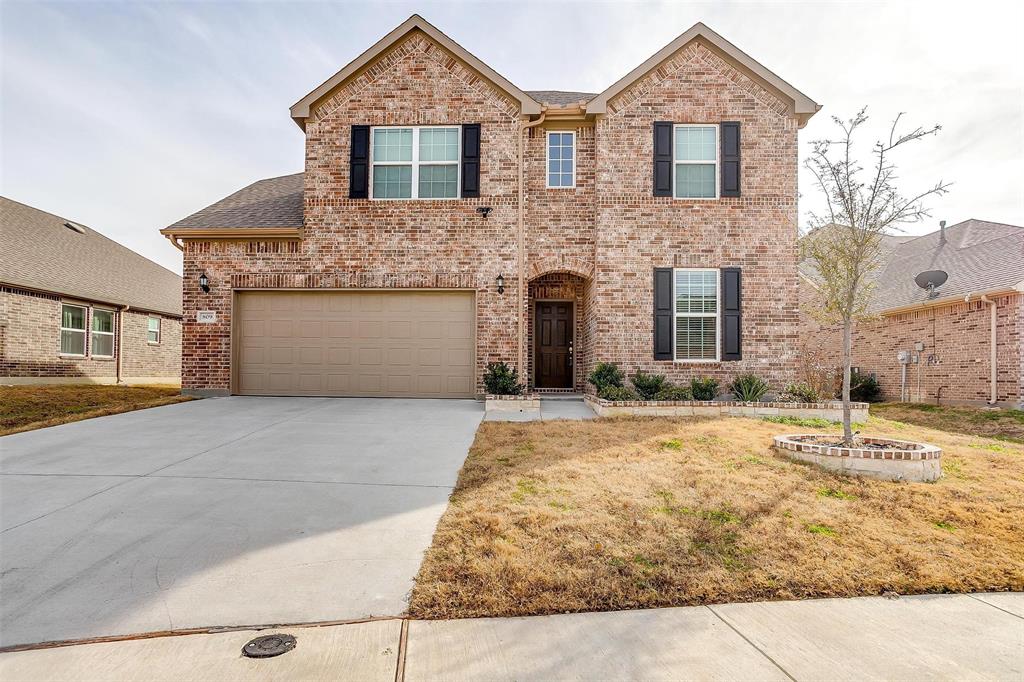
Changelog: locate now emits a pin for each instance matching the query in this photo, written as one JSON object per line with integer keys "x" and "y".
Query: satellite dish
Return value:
{"x": 930, "y": 280}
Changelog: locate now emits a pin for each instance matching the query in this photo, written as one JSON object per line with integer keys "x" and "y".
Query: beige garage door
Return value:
{"x": 355, "y": 343}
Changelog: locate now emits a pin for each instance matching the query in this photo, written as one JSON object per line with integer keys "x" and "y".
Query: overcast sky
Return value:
{"x": 128, "y": 116}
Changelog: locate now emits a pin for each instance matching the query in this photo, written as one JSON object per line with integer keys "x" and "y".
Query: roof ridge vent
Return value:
{"x": 74, "y": 227}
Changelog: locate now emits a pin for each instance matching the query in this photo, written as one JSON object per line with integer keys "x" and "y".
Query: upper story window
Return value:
{"x": 153, "y": 330}
{"x": 72, "y": 330}
{"x": 696, "y": 311}
{"x": 415, "y": 163}
{"x": 696, "y": 161}
{"x": 561, "y": 159}
{"x": 102, "y": 341}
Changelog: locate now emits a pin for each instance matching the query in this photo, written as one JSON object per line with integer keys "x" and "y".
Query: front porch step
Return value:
{"x": 576, "y": 397}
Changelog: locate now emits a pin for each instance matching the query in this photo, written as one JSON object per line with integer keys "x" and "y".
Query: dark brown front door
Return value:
{"x": 553, "y": 344}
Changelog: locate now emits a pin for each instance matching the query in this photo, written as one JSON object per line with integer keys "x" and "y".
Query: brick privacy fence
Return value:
{"x": 955, "y": 337}
{"x": 30, "y": 343}
{"x": 609, "y": 226}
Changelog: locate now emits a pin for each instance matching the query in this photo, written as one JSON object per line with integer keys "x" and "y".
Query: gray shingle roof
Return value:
{"x": 978, "y": 256}
{"x": 38, "y": 252}
{"x": 560, "y": 98}
{"x": 274, "y": 202}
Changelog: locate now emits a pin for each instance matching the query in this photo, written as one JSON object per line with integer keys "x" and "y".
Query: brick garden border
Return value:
{"x": 833, "y": 411}
{"x": 911, "y": 461}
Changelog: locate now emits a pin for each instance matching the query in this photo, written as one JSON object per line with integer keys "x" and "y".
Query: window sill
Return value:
{"x": 152, "y": 343}
{"x": 696, "y": 362}
{"x": 70, "y": 356}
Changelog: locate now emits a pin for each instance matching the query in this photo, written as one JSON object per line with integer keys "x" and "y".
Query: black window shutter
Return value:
{"x": 663, "y": 314}
{"x": 471, "y": 160}
{"x": 732, "y": 315}
{"x": 730, "y": 131}
{"x": 662, "y": 159}
{"x": 359, "y": 163}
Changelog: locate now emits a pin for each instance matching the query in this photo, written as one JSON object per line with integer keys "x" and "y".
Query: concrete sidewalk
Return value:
{"x": 934, "y": 637}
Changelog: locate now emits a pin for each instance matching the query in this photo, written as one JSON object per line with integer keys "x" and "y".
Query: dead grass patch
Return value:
{"x": 24, "y": 408}
{"x": 1000, "y": 424}
{"x": 550, "y": 517}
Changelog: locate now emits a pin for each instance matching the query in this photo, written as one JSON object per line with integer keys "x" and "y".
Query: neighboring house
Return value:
{"x": 447, "y": 219}
{"x": 963, "y": 340}
{"x": 77, "y": 307}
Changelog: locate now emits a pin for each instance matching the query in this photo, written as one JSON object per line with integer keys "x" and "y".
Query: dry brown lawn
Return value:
{"x": 628, "y": 513}
{"x": 1000, "y": 424}
{"x": 23, "y": 408}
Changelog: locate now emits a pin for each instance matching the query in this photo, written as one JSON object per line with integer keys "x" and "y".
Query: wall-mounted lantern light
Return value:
{"x": 501, "y": 284}
{"x": 204, "y": 283}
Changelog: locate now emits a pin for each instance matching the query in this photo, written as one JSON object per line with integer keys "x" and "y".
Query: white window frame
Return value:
{"x": 547, "y": 159}
{"x": 717, "y": 316}
{"x": 84, "y": 330}
{"x": 416, "y": 163}
{"x": 159, "y": 330}
{"x": 111, "y": 333}
{"x": 718, "y": 161}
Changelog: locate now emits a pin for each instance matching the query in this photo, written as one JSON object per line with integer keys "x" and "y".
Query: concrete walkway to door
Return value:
{"x": 220, "y": 512}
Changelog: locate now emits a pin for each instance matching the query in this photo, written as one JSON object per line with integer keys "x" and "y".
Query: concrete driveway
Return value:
{"x": 219, "y": 512}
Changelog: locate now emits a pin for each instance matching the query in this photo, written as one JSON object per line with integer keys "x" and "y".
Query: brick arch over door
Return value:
{"x": 551, "y": 265}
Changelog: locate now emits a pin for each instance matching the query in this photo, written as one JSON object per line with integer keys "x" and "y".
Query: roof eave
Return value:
{"x": 949, "y": 300}
{"x": 232, "y": 232}
{"x": 300, "y": 110}
{"x": 71, "y": 296}
{"x": 802, "y": 106}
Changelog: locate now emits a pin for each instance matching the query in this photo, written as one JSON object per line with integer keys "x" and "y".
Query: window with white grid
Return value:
{"x": 696, "y": 311}
{"x": 415, "y": 163}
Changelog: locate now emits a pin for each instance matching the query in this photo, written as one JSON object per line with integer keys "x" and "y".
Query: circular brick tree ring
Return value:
{"x": 883, "y": 458}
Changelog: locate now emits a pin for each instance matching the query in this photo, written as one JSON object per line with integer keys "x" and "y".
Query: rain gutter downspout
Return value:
{"x": 521, "y": 246}
{"x": 992, "y": 360}
{"x": 120, "y": 341}
{"x": 992, "y": 350}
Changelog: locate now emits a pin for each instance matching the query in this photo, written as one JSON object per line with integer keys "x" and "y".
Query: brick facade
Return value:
{"x": 30, "y": 344}
{"x": 954, "y": 366}
{"x": 597, "y": 243}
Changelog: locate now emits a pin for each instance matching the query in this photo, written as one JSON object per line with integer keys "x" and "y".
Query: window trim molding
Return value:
{"x": 547, "y": 159}
{"x": 415, "y": 163}
{"x": 84, "y": 330}
{"x": 112, "y": 333}
{"x": 159, "y": 330}
{"x": 718, "y": 162}
{"x": 718, "y": 318}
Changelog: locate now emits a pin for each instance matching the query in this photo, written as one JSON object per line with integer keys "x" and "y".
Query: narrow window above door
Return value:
{"x": 561, "y": 160}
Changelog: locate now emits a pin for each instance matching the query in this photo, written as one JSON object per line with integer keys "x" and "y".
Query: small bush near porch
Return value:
{"x": 635, "y": 512}
{"x": 23, "y": 408}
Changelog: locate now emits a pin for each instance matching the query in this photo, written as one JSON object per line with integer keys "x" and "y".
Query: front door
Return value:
{"x": 553, "y": 343}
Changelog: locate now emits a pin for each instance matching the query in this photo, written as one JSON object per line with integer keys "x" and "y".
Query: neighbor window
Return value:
{"x": 153, "y": 332}
{"x": 696, "y": 296}
{"x": 415, "y": 163}
{"x": 102, "y": 341}
{"x": 696, "y": 161}
{"x": 561, "y": 159}
{"x": 72, "y": 330}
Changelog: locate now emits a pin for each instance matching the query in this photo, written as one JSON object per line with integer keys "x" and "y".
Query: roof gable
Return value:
{"x": 800, "y": 105}
{"x": 300, "y": 110}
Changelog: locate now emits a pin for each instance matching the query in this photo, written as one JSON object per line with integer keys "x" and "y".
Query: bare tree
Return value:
{"x": 845, "y": 242}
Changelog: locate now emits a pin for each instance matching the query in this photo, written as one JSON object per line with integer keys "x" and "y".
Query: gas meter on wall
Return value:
{"x": 903, "y": 357}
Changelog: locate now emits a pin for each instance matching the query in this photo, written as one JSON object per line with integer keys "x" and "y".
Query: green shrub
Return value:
{"x": 673, "y": 392}
{"x": 703, "y": 388}
{"x": 864, "y": 388}
{"x": 799, "y": 393}
{"x": 617, "y": 393}
{"x": 648, "y": 385}
{"x": 605, "y": 375}
{"x": 501, "y": 379}
{"x": 748, "y": 388}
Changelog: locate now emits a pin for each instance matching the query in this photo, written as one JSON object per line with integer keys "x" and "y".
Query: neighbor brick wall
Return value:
{"x": 609, "y": 232}
{"x": 956, "y": 339}
{"x": 30, "y": 342}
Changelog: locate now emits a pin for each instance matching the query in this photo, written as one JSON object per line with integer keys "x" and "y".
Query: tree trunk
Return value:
{"x": 847, "y": 361}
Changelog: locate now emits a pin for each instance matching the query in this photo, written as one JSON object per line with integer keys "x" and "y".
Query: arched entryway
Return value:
{"x": 558, "y": 331}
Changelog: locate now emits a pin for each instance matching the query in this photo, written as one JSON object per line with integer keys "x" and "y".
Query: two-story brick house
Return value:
{"x": 447, "y": 219}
